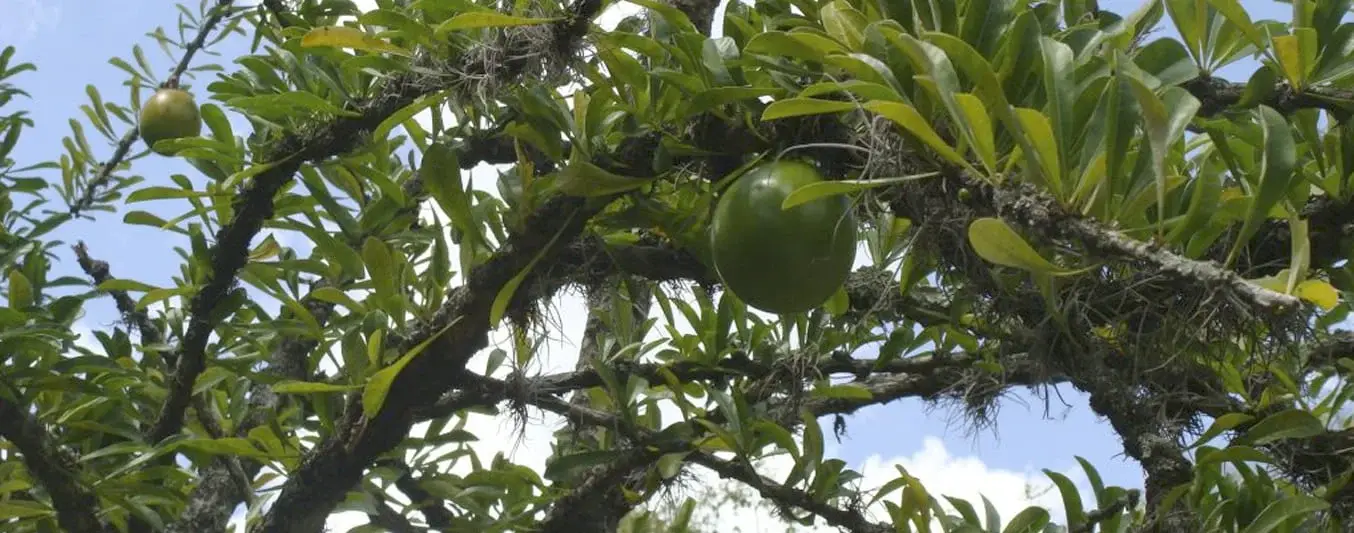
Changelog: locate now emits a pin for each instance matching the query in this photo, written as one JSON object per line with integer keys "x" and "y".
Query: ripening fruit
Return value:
{"x": 169, "y": 114}
{"x": 781, "y": 261}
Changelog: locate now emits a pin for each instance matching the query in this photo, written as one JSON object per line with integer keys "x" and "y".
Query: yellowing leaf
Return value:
{"x": 996, "y": 242}
{"x": 488, "y": 19}
{"x": 20, "y": 290}
{"x": 1318, "y": 292}
{"x": 345, "y": 37}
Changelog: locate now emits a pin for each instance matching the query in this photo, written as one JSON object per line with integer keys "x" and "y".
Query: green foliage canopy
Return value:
{"x": 1046, "y": 195}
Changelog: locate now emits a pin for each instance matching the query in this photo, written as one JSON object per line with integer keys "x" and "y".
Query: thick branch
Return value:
{"x": 1036, "y": 211}
{"x": 217, "y": 493}
{"x": 1149, "y": 437}
{"x": 460, "y": 328}
{"x": 76, "y": 507}
{"x": 1217, "y": 95}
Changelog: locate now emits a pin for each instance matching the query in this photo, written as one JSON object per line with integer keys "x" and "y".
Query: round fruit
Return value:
{"x": 169, "y": 114}
{"x": 781, "y": 261}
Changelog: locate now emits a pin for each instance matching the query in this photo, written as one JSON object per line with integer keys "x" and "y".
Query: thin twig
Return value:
{"x": 124, "y": 145}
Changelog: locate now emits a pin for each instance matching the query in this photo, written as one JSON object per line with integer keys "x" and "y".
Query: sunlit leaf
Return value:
{"x": 996, "y": 242}
{"x": 348, "y": 37}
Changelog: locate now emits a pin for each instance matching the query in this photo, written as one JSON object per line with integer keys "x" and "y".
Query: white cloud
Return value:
{"x": 23, "y": 19}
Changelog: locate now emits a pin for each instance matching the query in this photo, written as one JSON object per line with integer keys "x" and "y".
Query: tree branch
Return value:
{"x": 848, "y": 519}
{"x": 216, "y": 495}
{"x": 1038, "y": 212}
{"x": 1217, "y": 95}
{"x": 599, "y": 505}
{"x": 76, "y": 506}
{"x": 434, "y": 512}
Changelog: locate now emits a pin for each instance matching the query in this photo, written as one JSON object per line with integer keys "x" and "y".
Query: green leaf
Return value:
{"x": 488, "y": 19}
{"x": 407, "y": 112}
{"x": 861, "y": 89}
{"x": 505, "y": 294}
{"x": 996, "y": 242}
{"x": 561, "y": 466}
{"x": 1031, "y": 520}
{"x": 1061, "y": 94}
{"x": 794, "y": 107}
{"x": 1157, "y": 129}
{"x": 1277, "y": 173}
{"x": 441, "y": 174}
{"x": 1040, "y": 133}
{"x": 824, "y": 189}
{"x": 381, "y": 267}
{"x": 801, "y": 45}
{"x": 718, "y": 96}
{"x": 306, "y": 387}
{"x": 1168, "y": 61}
{"x": 115, "y": 284}
{"x": 378, "y": 385}
{"x": 844, "y": 391}
{"x": 278, "y": 105}
{"x": 1279, "y": 512}
{"x": 844, "y": 23}
{"x": 334, "y": 295}
{"x": 1234, "y": 454}
{"x": 980, "y": 124}
{"x": 228, "y": 446}
{"x": 581, "y": 178}
{"x": 13, "y": 508}
{"x": 1223, "y": 423}
{"x": 1261, "y": 86}
{"x": 1071, "y": 497}
{"x": 669, "y": 13}
{"x": 907, "y": 116}
{"x": 217, "y": 122}
{"x": 347, "y": 37}
{"x": 1290, "y": 424}
{"x": 20, "y": 290}
{"x": 1236, "y": 14}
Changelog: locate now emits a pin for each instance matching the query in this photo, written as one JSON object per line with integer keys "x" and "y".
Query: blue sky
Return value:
{"x": 71, "y": 41}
